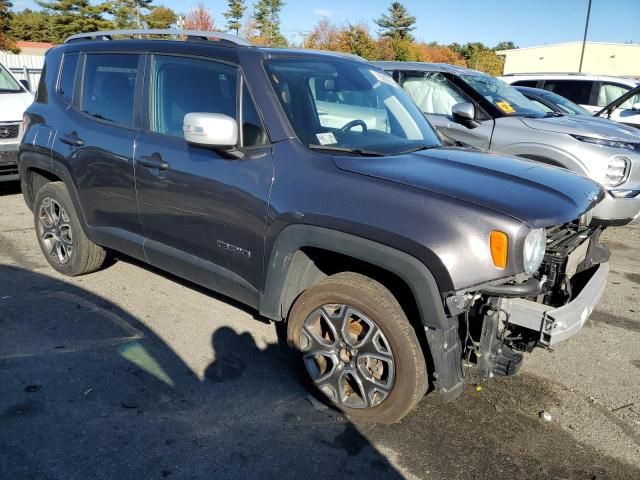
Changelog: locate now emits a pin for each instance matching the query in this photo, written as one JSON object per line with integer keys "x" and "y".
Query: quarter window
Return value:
{"x": 610, "y": 92}
{"x": 68, "y": 75}
{"x": 185, "y": 85}
{"x": 109, "y": 87}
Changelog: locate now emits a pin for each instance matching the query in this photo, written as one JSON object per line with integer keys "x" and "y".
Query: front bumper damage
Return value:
{"x": 500, "y": 322}
{"x": 555, "y": 325}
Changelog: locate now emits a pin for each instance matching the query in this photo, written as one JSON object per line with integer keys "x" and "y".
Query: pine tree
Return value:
{"x": 234, "y": 15}
{"x": 31, "y": 26}
{"x": 75, "y": 16}
{"x": 398, "y": 25}
{"x": 267, "y": 19}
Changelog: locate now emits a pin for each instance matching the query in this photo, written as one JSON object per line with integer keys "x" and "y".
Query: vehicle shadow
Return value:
{"x": 9, "y": 188}
{"x": 89, "y": 391}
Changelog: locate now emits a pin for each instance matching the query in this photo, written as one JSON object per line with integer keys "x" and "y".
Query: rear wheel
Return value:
{"x": 61, "y": 238}
{"x": 358, "y": 347}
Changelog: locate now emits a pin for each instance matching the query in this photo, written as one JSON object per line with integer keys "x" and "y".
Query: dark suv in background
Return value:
{"x": 308, "y": 186}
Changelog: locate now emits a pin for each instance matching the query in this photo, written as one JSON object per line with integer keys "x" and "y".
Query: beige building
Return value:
{"x": 617, "y": 59}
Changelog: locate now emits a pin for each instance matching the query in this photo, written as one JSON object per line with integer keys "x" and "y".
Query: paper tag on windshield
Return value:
{"x": 505, "y": 107}
{"x": 326, "y": 138}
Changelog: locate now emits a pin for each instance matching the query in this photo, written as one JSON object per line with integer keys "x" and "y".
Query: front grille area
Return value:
{"x": 9, "y": 130}
{"x": 8, "y": 169}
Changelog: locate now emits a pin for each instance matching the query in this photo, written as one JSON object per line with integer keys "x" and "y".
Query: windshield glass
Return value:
{"x": 8, "y": 84}
{"x": 344, "y": 104}
{"x": 505, "y": 97}
{"x": 565, "y": 105}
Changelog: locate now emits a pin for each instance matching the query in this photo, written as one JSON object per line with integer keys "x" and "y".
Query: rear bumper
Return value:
{"x": 555, "y": 325}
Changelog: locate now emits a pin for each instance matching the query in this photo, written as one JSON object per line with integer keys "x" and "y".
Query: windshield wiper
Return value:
{"x": 357, "y": 151}
{"x": 418, "y": 148}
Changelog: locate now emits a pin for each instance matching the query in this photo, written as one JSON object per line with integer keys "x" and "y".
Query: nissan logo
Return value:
{"x": 4, "y": 132}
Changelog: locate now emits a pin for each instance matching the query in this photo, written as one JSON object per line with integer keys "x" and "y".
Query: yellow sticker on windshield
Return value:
{"x": 505, "y": 107}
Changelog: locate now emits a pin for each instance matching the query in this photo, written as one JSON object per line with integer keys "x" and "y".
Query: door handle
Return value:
{"x": 153, "y": 161}
{"x": 72, "y": 139}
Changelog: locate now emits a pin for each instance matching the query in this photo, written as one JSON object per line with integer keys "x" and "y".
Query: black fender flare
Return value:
{"x": 30, "y": 160}
{"x": 414, "y": 273}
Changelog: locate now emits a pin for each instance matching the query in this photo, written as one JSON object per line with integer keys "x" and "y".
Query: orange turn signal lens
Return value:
{"x": 499, "y": 248}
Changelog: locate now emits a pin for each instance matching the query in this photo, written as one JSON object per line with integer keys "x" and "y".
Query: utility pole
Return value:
{"x": 584, "y": 39}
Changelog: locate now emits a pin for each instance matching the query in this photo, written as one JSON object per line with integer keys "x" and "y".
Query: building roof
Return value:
{"x": 550, "y": 45}
{"x": 42, "y": 45}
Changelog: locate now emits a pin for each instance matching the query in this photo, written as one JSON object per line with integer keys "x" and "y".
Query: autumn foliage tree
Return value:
{"x": 198, "y": 18}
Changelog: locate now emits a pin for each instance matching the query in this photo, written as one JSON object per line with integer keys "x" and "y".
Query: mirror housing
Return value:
{"x": 464, "y": 113}
{"x": 636, "y": 107}
{"x": 213, "y": 130}
{"x": 25, "y": 84}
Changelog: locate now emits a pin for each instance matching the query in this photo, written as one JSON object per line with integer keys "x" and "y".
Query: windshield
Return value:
{"x": 8, "y": 84}
{"x": 338, "y": 104}
{"x": 565, "y": 105}
{"x": 505, "y": 97}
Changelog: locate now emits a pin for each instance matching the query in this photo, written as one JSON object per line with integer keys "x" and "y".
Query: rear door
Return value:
{"x": 435, "y": 94}
{"x": 95, "y": 139}
{"x": 203, "y": 213}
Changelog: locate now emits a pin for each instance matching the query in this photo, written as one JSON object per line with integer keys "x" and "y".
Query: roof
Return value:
{"x": 425, "y": 67}
{"x": 551, "y": 45}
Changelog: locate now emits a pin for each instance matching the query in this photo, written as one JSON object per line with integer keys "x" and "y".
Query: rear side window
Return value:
{"x": 68, "y": 75}
{"x": 578, "y": 91}
{"x": 610, "y": 92}
{"x": 109, "y": 87}
{"x": 182, "y": 85}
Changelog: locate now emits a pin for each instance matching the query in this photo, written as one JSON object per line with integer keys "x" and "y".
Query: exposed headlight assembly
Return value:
{"x": 634, "y": 146}
{"x": 535, "y": 245}
{"x": 617, "y": 171}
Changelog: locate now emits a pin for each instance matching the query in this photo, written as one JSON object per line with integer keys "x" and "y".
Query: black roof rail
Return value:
{"x": 197, "y": 35}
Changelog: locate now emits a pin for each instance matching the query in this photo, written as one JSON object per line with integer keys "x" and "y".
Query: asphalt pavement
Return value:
{"x": 132, "y": 373}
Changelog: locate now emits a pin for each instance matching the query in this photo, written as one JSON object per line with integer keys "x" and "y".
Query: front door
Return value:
{"x": 435, "y": 95}
{"x": 203, "y": 213}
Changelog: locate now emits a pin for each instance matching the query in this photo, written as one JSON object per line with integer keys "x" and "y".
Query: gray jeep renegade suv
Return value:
{"x": 310, "y": 187}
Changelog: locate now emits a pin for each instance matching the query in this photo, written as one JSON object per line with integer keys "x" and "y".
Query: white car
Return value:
{"x": 14, "y": 98}
{"x": 592, "y": 92}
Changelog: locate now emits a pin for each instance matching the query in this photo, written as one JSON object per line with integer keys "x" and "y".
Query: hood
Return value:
{"x": 585, "y": 126}
{"x": 538, "y": 195}
{"x": 14, "y": 105}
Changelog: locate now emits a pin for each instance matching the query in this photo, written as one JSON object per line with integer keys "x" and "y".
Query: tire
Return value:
{"x": 382, "y": 389}
{"x": 60, "y": 235}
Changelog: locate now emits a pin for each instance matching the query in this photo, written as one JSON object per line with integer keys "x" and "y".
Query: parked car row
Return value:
{"x": 311, "y": 187}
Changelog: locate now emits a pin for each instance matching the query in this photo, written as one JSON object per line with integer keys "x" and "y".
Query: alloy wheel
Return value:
{"x": 55, "y": 230}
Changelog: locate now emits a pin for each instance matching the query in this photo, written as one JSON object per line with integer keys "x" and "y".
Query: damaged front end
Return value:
{"x": 499, "y": 322}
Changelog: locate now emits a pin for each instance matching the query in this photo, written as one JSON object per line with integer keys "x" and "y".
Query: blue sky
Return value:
{"x": 525, "y": 22}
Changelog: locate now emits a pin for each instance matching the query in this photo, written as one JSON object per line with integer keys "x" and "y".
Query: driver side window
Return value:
{"x": 432, "y": 92}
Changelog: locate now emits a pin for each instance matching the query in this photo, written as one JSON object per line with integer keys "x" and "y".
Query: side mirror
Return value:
{"x": 25, "y": 84}
{"x": 636, "y": 107}
{"x": 464, "y": 113}
{"x": 214, "y": 130}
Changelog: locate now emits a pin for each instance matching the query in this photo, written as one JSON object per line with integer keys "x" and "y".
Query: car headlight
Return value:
{"x": 617, "y": 171}
{"x": 635, "y": 146}
{"x": 535, "y": 244}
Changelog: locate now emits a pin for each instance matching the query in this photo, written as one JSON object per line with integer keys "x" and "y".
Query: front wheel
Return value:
{"x": 358, "y": 347}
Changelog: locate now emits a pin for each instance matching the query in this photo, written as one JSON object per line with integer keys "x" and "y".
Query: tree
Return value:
{"x": 75, "y": 16}
{"x": 505, "y": 46}
{"x": 266, "y": 15}
{"x": 480, "y": 57}
{"x": 161, "y": 17}
{"x": 356, "y": 39}
{"x": 234, "y": 15}
{"x": 31, "y": 26}
{"x": 398, "y": 24}
{"x": 437, "y": 54}
{"x": 129, "y": 13}
{"x": 324, "y": 36}
{"x": 198, "y": 18}
{"x": 6, "y": 41}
